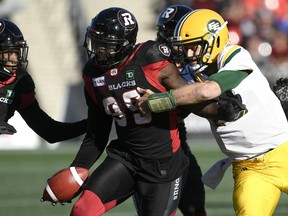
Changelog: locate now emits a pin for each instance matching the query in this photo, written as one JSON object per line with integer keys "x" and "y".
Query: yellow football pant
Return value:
{"x": 258, "y": 182}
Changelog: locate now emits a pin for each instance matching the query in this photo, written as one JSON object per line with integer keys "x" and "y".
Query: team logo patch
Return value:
{"x": 127, "y": 19}
{"x": 114, "y": 72}
{"x": 8, "y": 99}
{"x": 213, "y": 25}
{"x": 2, "y": 26}
{"x": 164, "y": 50}
{"x": 130, "y": 75}
{"x": 9, "y": 93}
{"x": 99, "y": 81}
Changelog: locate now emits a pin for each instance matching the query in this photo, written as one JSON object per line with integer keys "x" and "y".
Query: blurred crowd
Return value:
{"x": 260, "y": 26}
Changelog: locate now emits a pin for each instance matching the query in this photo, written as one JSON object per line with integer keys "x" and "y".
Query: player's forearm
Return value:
{"x": 185, "y": 95}
{"x": 89, "y": 152}
{"x": 48, "y": 128}
{"x": 195, "y": 93}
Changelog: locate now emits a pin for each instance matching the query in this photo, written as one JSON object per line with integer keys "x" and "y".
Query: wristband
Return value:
{"x": 161, "y": 102}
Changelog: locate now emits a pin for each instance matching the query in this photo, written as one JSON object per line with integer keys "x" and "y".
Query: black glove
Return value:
{"x": 231, "y": 107}
{"x": 280, "y": 89}
{"x": 6, "y": 128}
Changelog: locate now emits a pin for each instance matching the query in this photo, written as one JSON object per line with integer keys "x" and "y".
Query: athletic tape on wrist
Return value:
{"x": 161, "y": 102}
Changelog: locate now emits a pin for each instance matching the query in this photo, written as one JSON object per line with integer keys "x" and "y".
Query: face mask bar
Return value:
{"x": 190, "y": 44}
{"x": 13, "y": 57}
{"x": 106, "y": 51}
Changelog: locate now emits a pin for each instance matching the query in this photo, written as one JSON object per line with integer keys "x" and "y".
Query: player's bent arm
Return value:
{"x": 96, "y": 138}
{"x": 185, "y": 95}
{"x": 170, "y": 77}
{"x": 194, "y": 93}
{"x": 216, "y": 84}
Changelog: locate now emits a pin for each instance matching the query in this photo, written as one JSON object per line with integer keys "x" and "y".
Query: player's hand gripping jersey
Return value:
{"x": 112, "y": 92}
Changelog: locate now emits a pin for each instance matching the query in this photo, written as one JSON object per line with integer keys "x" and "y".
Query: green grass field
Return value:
{"x": 23, "y": 175}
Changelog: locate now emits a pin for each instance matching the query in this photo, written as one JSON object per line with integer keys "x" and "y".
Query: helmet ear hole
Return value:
{"x": 218, "y": 42}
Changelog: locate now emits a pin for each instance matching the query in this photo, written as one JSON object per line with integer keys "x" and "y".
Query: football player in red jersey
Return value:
{"x": 17, "y": 91}
{"x": 256, "y": 141}
{"x": 146, "y": 159}
{"x": 192, "y": 200}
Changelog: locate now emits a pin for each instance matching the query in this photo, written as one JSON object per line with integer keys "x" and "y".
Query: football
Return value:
{"x": 65, "y": 185}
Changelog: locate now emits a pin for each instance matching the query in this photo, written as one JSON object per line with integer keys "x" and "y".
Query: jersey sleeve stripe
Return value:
{"x": 230, "y": 54}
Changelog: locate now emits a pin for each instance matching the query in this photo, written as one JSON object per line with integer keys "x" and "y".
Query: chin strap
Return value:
{"x": 7, "y": 77}
{"x": 6, "y": 73}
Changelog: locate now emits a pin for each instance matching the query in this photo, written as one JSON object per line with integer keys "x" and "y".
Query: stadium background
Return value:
{"x": 55, "y": 29}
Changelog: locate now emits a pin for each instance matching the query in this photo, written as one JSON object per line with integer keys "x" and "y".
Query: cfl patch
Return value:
{"x": 99, "y": 81}
{"x": 165, "y": 50}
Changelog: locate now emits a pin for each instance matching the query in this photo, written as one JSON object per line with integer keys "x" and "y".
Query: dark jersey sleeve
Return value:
{"x": 39, "y": 121}
{"x": 96, "y": 139}
{"x": 48, "y": 128}
{"x": 25, "y": 90}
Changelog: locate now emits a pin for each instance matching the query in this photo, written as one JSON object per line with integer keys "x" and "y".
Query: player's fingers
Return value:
{"x": 140, "y": 90}
{"x": 144, "y": 110}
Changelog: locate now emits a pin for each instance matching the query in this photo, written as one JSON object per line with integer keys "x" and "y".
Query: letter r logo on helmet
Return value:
{"x": 127, "y": 19}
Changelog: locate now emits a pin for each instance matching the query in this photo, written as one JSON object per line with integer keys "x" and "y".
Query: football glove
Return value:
{"x": 6, "y": 128}
{"x": 231, "y": 107}
{"x": 280, "y": 89}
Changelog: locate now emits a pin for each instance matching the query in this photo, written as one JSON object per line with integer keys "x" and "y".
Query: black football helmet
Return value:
{"x": 11, "y": 42}
{"x": 167, "y": 20}
{"x": 111, "y": 36}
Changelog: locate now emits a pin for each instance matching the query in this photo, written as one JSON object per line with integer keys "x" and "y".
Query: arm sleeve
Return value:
{"x": 95, "y": 140}
{"x": 229, "y": 79}
{"x": 39, "y": 121}
{"x": 49, "y": 129}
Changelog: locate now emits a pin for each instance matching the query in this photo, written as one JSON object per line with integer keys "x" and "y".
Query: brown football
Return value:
{"x": 65, "y": 185}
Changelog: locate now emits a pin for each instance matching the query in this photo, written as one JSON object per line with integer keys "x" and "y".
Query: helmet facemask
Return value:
{"x": 13, "y": 57}
{"x": 107, "y": 51}
{"x": 192, "y": 52}
{"x": 13, "y": 50}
